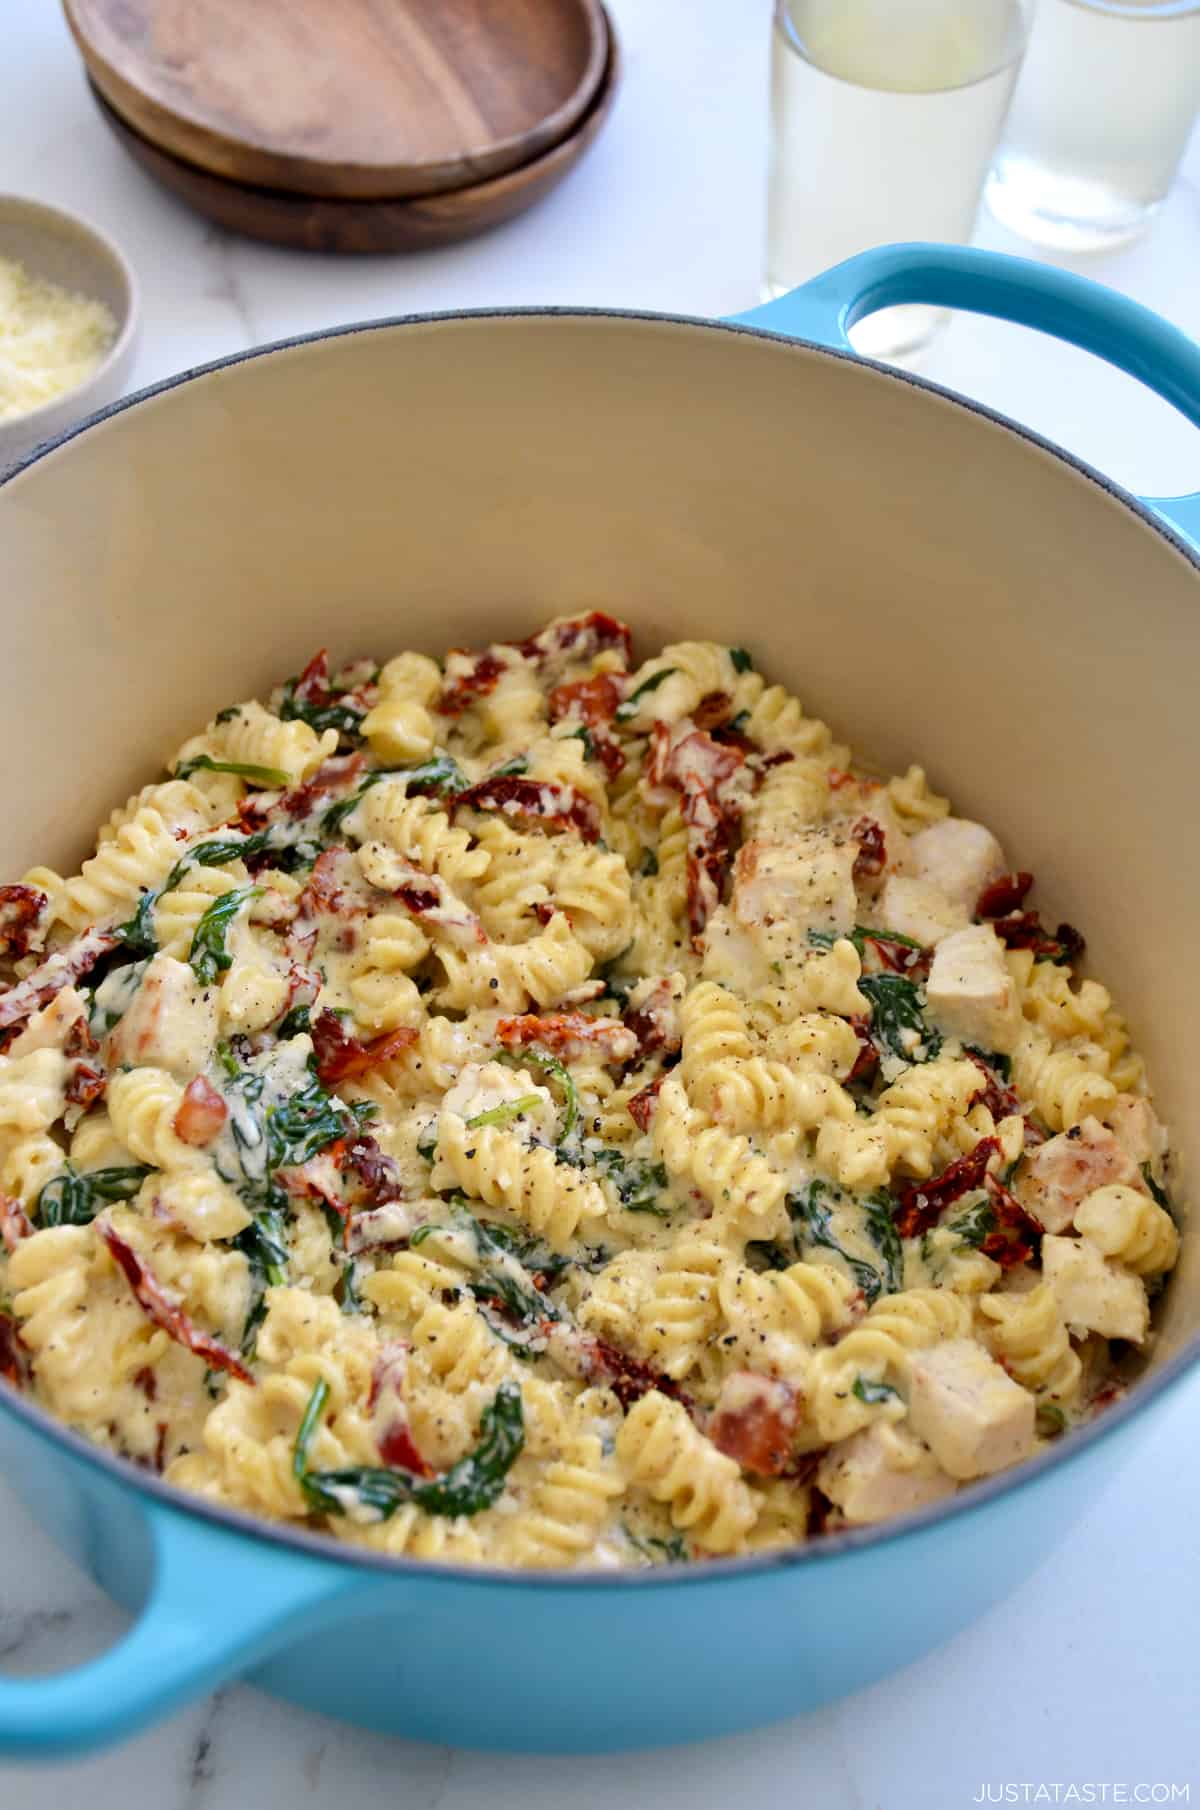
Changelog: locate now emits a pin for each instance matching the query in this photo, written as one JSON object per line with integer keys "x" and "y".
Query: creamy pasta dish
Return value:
{"x": 540, "y": 1111}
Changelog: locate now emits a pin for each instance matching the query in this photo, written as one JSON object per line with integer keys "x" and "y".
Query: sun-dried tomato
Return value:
{"x": 700, "y": 768}
{"x": 339, "y": 1055}
{"x": 871, "y": 858}
{"x": 712, "y": 710}
{"x": 594, "y": 703}
{"x": 1025, "y": 930}
{"x": 569, "y": 1034}
{"x": 1001, "y": 896}
{"x": 335, "y": 775}
{"x": 480, "y": 678}
{"x": 921, "y": 1204}
{"x": 56, "y": 972}
{"x": 628, "y": 1377}
{"x": 1017, "y": 1234}
{"x": 375, "y": 1171}
{"x": 14, "y": 1359}
{"x": 641, "y": 1107}
{"x": 164, "y": 1310}
{"x": 86, "y": 1085}
{"x": 897, "y": 955}
{"x": 23, "y": 912}
{"x": 15, "y": 1222}
{"x": 867, "y": 1059}
{"x": 581, "y": 636}
{"x": 655, "y": 1022}
{"x": 757, "y": 1423}
{"x": 312, "y": 687}
{"x": 514, "y": 796}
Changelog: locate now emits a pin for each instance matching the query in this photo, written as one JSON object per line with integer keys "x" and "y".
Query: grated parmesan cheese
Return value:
{"x": 51, "y": 340}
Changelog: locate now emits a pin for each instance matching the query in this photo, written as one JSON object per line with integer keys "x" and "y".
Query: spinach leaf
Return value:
{"x": 1000, "y": 1064}
{"x": 509, "y": 769}
{"x": 274, "y": 777}
{"x": 208, "y": 954}
{"x": 548, "y": 1065}
{"x": 812, "y": 1224}
{"x": 506, "y": 1111}
{"x": 741, "y": 659}
{"x": 440, "y": 774}
{"x": 467, "y": 1488}
{"x": 137, "y": 933}
{"x": 582, "y": 734}
{"x": 346, "y": 1290}
{"x": 1051, "y": 1420}
{"x": 638, "y": 1183}
{"x": 628, "y": 710}
{"x": 765, "y": 1254}
{"x": 1157, "y": 1192}
{"x": 879, "y": 1212}
{"x": 72, "y": 1199}
{"x": 295, "y": 1023}
{"x": 973, "y": 1226}
{"x": 871, "y": 1392}
{"x": 896, "y": 1017}
{"x": 649, "y": 865}
{"x": 674, "y": 1549}
{"x": 284, "y": 1134}
{"x": 263, "y": 1243}
{"x": 507, "y": 1262}
{"x": 345, "y": 718}
{"x": 302, "y": 1125}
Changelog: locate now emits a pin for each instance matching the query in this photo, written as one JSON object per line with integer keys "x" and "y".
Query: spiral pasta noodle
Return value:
{"x": 528, "y": 1108}
{"x": 664, "y": 1454}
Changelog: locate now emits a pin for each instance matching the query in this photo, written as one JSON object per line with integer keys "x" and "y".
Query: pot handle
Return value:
{"x": 1070, "y": 307}
{"x": 218, "y": 1604}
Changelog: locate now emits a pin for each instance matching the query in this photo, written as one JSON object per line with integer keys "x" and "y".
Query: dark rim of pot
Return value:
{"x": 827, "y": 1547}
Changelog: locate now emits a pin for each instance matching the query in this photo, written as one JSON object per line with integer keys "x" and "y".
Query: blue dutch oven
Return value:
{"x": 941, "y": 584}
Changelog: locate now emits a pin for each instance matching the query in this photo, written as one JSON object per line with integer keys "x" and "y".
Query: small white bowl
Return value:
{"x": 65, "y": 250}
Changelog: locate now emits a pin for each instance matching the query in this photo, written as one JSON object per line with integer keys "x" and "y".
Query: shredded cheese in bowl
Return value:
{"x": 51, "y": 339}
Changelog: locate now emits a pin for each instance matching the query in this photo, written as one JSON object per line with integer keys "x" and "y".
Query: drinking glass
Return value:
{"x": 1100, "y": 120}
{"x": 884, "y": 119}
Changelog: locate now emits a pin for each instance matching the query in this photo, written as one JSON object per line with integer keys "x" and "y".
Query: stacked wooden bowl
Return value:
{"x": 352, "y": 125}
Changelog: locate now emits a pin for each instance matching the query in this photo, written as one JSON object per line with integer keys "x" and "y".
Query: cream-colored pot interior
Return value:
{"x": 937, "y": 587}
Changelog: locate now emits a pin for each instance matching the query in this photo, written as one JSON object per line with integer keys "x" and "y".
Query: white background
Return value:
{"x": 1087, "y": 1676}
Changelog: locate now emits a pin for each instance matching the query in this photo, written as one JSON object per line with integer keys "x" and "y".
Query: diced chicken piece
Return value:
{"x": 885, "y": 1470}
{"x": 807, "y": 882}
{"x": 918, "y": 909}
{"x": 1136, "y": 1128}
{"x": 970, "y": 992}
{"x": 1065, "y": 1169}
{"x": 971, "y": 1413}
{"x": 50, "y": 1028}
{"x": 960, "y": 858}
{"x": 484, "y": 1087}
{"x": 171, "y": 1022}
{"x": 1093, "y": 1294}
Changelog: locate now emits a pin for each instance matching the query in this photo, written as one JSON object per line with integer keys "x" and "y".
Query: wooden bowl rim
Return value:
{"x": 403, "y": 224}
{"x": 349, "y": 181}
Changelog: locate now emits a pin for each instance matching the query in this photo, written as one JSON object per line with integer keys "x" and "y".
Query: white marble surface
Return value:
{"x": 1087, "y": 1675}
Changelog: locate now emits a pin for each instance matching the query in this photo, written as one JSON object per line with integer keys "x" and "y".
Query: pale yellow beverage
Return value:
{"x": 1100, "y": 119}
{"x": 884, "y": 121}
